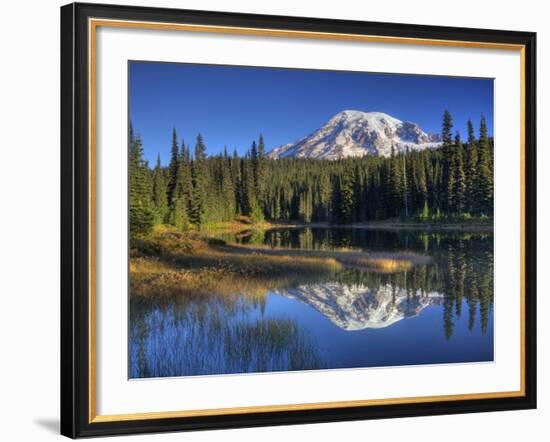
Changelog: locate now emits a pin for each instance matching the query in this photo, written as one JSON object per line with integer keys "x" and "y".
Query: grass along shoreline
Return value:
{"x": 465, "y": 226}
{"x": 171, "y": 263}
{"x": 243, "y": 223}
{"x": 380, "y": 261}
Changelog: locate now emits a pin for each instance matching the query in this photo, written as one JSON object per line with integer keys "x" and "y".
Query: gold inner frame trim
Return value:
{"x": 93, "y": 24}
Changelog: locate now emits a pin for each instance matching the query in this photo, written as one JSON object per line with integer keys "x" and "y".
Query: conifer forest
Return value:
{"x": 450, "y": 183}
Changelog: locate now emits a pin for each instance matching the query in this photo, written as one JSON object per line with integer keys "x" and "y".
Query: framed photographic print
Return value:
{"x": 277, "y": 220}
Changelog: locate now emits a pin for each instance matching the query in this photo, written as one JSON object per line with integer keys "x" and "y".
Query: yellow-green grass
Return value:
{"x": 221, "y": 275}
{"x": 379, "y": 261}
{"x": 171, "y": 263}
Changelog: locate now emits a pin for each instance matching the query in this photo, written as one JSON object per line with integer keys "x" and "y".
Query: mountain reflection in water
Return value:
{"x": 360, "y": 307}
{"x": 437, "y": 312}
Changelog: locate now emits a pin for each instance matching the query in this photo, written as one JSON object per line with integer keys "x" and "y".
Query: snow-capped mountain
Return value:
{"x": 360, "y": 307}
{"x": 353, "y": 133}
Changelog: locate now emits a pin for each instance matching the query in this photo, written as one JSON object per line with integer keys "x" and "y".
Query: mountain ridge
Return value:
{"x": 354, "y": 133}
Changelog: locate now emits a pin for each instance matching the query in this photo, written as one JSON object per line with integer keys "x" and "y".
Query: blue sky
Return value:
{"x": 232, "y": 105}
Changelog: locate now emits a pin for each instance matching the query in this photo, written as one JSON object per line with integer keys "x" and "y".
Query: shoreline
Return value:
{"x": 170, "y": 263}
{"x": 382, "y": 225}
{"x": 240, "y": 226}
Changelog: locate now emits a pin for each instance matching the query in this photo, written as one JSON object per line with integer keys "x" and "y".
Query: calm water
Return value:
{"x": 441, "y": 312}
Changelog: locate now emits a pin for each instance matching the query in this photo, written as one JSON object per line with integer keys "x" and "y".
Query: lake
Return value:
{"x": 439, "y": 311}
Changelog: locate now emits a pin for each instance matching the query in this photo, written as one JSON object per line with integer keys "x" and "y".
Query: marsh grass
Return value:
{"x": 207, "y": 338}
{"x": 174, "y": 264}
{"x": 152, "y": 277}
{"x": 350, "y": 257}
{"x": 170, "y": 263}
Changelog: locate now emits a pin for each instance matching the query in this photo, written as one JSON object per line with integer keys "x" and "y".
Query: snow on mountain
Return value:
{"x": 353, "y": 133}
{"x": 360, "y": 307}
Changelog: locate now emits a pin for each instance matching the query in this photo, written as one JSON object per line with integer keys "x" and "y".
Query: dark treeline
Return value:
{"x": 454, "y": 182}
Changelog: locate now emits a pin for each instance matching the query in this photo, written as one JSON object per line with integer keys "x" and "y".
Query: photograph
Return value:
{"x": 274, "y": 221}
{"x": 285, "y": 219}
{"x": 280, "y": 220}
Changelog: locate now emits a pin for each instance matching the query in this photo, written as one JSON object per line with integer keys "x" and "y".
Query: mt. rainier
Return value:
{"x": 353, "y": 133}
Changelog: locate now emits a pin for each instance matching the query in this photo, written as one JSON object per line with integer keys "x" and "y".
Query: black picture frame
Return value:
{"x": 75, "y": 220}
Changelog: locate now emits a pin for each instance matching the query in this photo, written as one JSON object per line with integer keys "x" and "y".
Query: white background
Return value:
{"x": 29, "y": 221}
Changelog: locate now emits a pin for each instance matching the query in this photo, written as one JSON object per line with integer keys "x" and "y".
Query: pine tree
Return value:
{"x": 185, "y": 179}
{"x": 359, "y": 191}
{"x": 236, "y": 178}
{"x": 172, "y": 170}
{"x": 181, "y": 204}
{"x": 251, "y": 206}
{"x": 471, "y": 171}
{"x": 254, "y": 159}
{"x": 141, "y": 213}
{"x": 227, "y": 190}
{"x": 405, "y": 188}
{"x": 485, "y": 173}
{"x": 395, "y": 184}
{"x": 324, "y": 192}
{"x": 248, "y": 193}
{"x": 422, "y": 181}
{"x": 447, "y": 151}
{"x": 343, "y": 200}
{"x": 435, "y": 186}
{"x": 179, "y": 215}
{"x": 447, "y": 130}
{"x": 459, "y": 191}
{"x": 199, "y": 178}
{"x": 159, "y": 193}
{"x": 261, "y": 172}
{"x": 305, "y": 205}
{"x": 131, "y": 138}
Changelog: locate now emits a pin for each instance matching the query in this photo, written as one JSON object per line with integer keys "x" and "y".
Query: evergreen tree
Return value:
{"x": 422, "y": 184}
{"x": 227, "y": 189}
{"x": 471, "y": 171}
{"x": 459, "y": 190}
{"x": 181, "y": 206}
{"x": 141, "y": 213}
{"x": 395, "y": 185}
{"x": 254, "y": 160}
{"x": 179, "y": 216}
{"x": 172, "y": 170}
{"x": 485, "y": 173}
{"x": 131, "y": 138}
{"x": 344, "y": 199}
{"x": 450, "y": 188}
{"x": 185, "y": 179}
{"x": 251, "y": 206}
{"x": 305, "y": 205}
{"x": 359, "y": 191}
{"x": 323, "y": 194}
{"x": 236, "y": 178}
{"x": 406, "y": 197}
{"x": 159, "y": 193}
{"x": 261, "y": 172}
{"x": 446, "y": 149}
{"x": 447, "y": 131}
{"x": 200, "y": 184}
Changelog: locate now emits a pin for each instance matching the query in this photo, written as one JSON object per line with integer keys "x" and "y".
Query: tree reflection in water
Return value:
{"x": 220, "y": 334}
